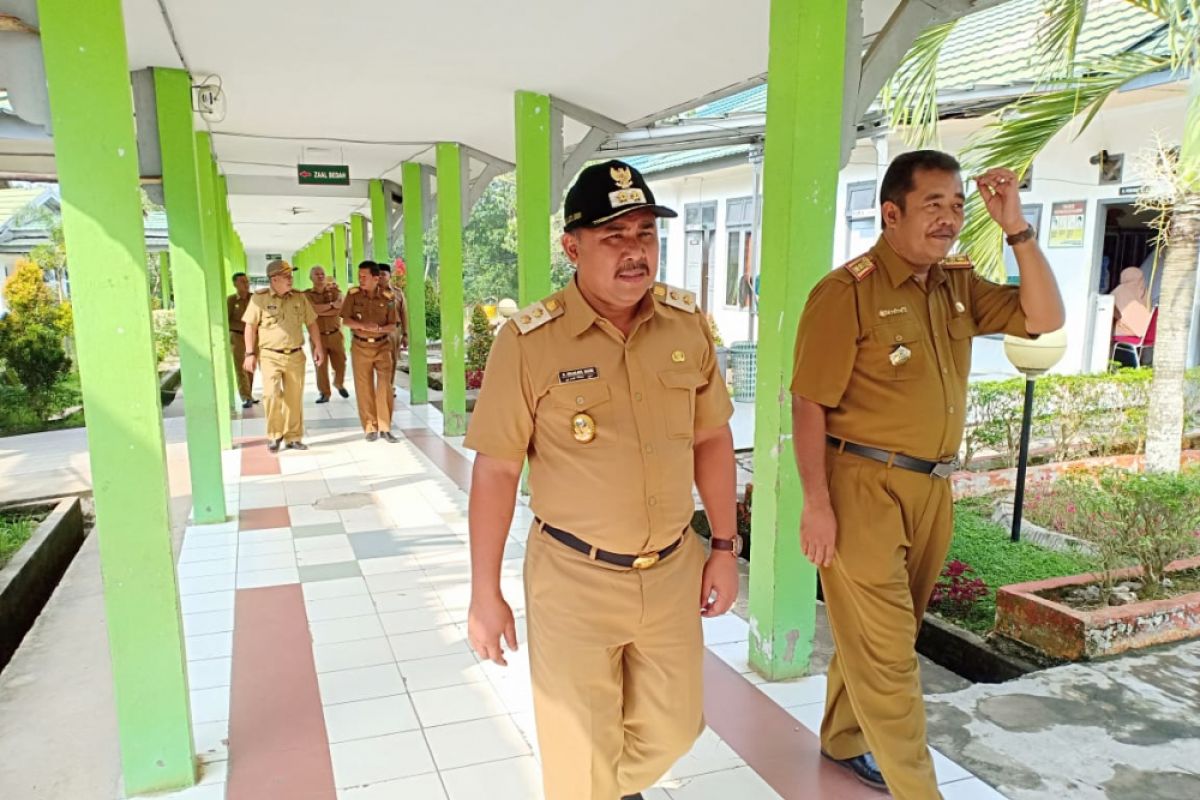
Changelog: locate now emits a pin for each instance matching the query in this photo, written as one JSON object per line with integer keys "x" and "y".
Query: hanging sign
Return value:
{"x": 323, "y": 174}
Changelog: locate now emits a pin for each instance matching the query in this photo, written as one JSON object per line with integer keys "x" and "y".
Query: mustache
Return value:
{"x": 629, "y": 265}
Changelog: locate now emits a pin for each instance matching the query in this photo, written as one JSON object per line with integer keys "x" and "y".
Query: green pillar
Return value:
{"x": 534, "y": 164}
{"x": 166, "y": 292}
{"x": 87, "y": 74}
{"x": 805, "y": 67}
{"x": 414, "y": 287}
{"x": 173, "y": 90}
{"x": 450, "y": 284}
{"x": 227, "y": 258}
{"x": 380, "y": 251}
{"x": 338, "y": 264}
{"x": 358, "y": 244}
{"x": 217, "y": 289}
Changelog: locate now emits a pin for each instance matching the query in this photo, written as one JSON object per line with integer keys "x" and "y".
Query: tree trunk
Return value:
{"x": 1164, "y": 426}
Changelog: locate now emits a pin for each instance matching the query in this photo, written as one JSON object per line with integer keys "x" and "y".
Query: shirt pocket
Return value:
{"x": 962, "y": 330}
{"x": 679, "y": 401}
{"x": 573, "y": 407}
{"x": 896, "y": 351}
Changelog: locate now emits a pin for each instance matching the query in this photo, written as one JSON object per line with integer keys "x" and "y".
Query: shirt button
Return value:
{"x": 653, "y": 501}
{"x": 944, "y": 370}
{"x": 638, "y": 397}
{"x": 899, "y": 337}
{"x": 649, "y": 448}
{"x": 951, "y": 409}
{"x": 579, "y": 400}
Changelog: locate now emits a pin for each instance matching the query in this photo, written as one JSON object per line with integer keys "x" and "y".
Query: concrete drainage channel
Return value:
{"x": 28, "y": 580}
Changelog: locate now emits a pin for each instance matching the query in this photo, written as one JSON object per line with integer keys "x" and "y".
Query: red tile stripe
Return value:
{"x": 277, "y": 741}
{"x": 456, "y": 466}
{"x": 771, "y": 741}
{"x": 256, "y": 519}
{"x": 256, "y": 458}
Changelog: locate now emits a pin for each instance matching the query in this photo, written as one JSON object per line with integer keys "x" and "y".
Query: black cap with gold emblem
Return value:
{"x": 606, "y": 191}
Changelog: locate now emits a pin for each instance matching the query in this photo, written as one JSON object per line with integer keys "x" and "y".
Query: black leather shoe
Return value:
{"x": 388, "y": 437}
{"x": 637, "y": 796}
{"x": 247, "y": 404}
{"x": 864, "y": 768}
{"x": 372, "y": 436}
{"x": 342, "y": 391}
{"x": 323, "y": 398}
{"x": 273, "y": 445}
{"x": 297, "y": 446}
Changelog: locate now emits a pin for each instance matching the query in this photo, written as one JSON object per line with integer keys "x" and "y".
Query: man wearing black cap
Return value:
{"x": 609, "y": 388}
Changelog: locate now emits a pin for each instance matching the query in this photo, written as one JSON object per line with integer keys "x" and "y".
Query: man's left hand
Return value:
{"x": 998, "y": 188}
{"x": 318, "y": 356}
{"x": 720, "y": 576}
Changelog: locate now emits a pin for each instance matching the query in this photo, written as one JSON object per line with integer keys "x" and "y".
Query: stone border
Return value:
{"x": 168, "y": 385}
{"x": 1022, "y": 614}
{"x": 968, "y": 655}
{"x": 32, "y": 575}
{"x": 975, "y": 484}
{"x": 1043, "y": 537}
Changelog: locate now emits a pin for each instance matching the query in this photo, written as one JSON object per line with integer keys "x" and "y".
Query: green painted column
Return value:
{"x": 534, "y": 164}
{"x": 166, "y": 291}
{"x": 805, "y": 68}
{"x": 227, "y": 250}
{"x": 217, "y": 290}
{"x": 338, "y": 264}
{"x": 87, "y": 74}
{"x": 414, "y": 287}
{"x": 358, "y": 244}
{"x": 450, "y": 285}
{"x": 173, "y": 91}
{"x": 380, "y": 246}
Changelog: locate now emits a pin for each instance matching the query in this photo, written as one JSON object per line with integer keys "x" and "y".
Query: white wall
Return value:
{"x": 1061, "y": 173}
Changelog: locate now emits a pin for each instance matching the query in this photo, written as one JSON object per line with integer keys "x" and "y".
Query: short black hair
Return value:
{"x": 237, "y": 275}
{"x": 385, "y": 268}
{"x": 370, "y": 266}
{"x": 898, "y": 181}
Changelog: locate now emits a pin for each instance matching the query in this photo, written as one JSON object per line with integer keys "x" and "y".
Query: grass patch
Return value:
{"x": 986, "y": 548}
{"x": 14, "y": 532}
{"x": 17, "y": 416}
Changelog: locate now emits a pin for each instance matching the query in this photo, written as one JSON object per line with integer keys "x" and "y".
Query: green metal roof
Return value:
{"x": 684, "y": 158}
{"x": 13, "y": 201}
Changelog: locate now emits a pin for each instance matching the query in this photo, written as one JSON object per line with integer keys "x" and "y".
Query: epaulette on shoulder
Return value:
{"x": 538, "y": 314}
{"x": 261, "y": 291}
{"x": 675, "y": 297}
{"x": 352, "y": 290}
{"x": 860, "y": 267}
{"x": 387, "y": 294}
{"x": 957, "y": 261}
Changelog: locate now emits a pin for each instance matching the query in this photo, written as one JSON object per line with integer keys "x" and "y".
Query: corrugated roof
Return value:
{"x": 13, "y": 201}
{"x": 684, "y": 158}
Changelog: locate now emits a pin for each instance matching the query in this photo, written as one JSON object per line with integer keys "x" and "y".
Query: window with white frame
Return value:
{"x": 861, "y": 218}
{"x": 739, "y": 222}
{"x": 662, "y": 249}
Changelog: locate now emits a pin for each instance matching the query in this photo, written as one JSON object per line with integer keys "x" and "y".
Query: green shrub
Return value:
{"x": 166, "y": 336}
{"x": 433, "y": 312}
{"x": 479, "y": 340}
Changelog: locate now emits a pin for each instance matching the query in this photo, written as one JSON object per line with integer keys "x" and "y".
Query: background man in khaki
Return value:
{"x": 399, "y": 336}
{"x": 370, "y": 312}
{"x": 326, "y": 300}
{"x": 879, "y": 393}
{"x": 609, "y": 388}
{"x": 275, "y": 323}
{"x": 235, "y": 307}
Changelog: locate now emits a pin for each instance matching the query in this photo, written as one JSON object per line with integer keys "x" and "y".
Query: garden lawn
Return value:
{"x": 14, "y": 532}
{"x": 985, "y": 547}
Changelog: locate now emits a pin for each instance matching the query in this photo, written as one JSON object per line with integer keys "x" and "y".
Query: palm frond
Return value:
{"x": 1182, "y": 18}
{"x": 910, "y": 98}
{"x": 1058, "y": 36}
{"x": 1025, "y": 128}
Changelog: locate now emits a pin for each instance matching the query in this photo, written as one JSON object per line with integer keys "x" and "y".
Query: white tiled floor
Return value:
{"x": 409, "y": 710}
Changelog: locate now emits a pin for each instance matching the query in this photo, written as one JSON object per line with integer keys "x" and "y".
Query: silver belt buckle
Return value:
{"x": 945, "y": 469}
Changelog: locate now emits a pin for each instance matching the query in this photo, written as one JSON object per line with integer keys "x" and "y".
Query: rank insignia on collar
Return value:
{"x": 860, "y": 268}
{"x": 957, "y": 261}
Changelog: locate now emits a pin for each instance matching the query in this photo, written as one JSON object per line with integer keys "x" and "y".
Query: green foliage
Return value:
{"x": 15, "y": 530}
{"x": 910, "y": 97}
{"x": 994, "y": 417}
{"x": 479, "y": 340}
{"x": 17, "y": 414}
{"x": 31, "y": 337}
{"x": 166, "y": 337}
{"x": 433, "y": 311}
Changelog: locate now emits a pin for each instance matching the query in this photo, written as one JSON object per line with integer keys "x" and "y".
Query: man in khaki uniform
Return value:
{"x": 371, "y": 314}
{"x": 879, "y": 393}
{"x": 609, "y": 388}
{"x": 326, "y": 300}
{"x": 399, "y": 336}
{"x": 275, "y": 323}
{"x": 235, "y": 307}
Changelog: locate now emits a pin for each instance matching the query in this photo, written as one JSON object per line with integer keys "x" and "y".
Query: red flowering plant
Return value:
{"x": 956, "y": 591}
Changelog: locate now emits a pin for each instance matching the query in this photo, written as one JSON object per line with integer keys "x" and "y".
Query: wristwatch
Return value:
{"x": 1024, "y": 236}
{"x": 732, "y": 545}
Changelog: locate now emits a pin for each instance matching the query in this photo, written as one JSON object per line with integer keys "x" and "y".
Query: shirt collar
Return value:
{"x": 579, "y": 314}
{"x": 899, "y": 269}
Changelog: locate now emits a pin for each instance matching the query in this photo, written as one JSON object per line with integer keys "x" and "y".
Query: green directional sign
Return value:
{"x": 323, "y": 174}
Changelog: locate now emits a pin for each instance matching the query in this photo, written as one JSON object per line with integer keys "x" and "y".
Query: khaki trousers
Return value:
{"x": 894, "y": 530}
{"x": 373, "y": 364}
{"x": 335, "y": 356}
{"x": 245, "y": 380}
{"x": 283, "y": 393}
{"x": 616, "y": 662}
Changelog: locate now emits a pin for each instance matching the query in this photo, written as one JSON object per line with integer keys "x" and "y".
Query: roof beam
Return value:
{"x": 585, "y": 115}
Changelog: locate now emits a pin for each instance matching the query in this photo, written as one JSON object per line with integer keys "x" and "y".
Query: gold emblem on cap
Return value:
{"x": 623, "y": 176}
{"x": 678, "y": 357}
{"x": 537, "y": 312}
{"x": 687, "y": 298}
{"x": 583, "y": 428}
{"x": 900, "y": 355}
{"x": 674, "y": 295}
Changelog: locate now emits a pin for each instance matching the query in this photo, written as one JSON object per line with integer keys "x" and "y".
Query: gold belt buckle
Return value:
{"x": 645, "y": 561}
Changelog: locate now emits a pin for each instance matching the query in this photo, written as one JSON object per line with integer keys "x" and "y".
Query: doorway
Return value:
{"x": 1128, "y": 241}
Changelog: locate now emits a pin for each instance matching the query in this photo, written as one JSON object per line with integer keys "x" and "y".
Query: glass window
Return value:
{"x": 733, "y": 267}
{"x": 1033, "y": 215}
{"x": 860, "y": 197}
{"x": 862, "y": 236}
{"x": 700, "y": 216}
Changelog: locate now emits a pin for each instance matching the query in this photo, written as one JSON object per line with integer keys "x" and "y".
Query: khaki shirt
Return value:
{"x": 329, "y": 294}
{"x": 235, "y": 307}
{"x": 629, "y": 490}
{"x": 380, "y": 308}
{"x": 281, "y": 320}
{"x": 889, "y": 358}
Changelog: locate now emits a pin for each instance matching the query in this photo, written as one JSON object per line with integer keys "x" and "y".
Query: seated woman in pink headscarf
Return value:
{"x": 1129, "y": 301}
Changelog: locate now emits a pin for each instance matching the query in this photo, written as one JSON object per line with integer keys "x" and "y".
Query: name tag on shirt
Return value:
{"x": 581, "y": 374}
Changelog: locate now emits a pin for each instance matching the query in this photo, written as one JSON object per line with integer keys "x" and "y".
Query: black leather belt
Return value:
{"x": 287, "y": 352}
{"x": 643, "y": 561}
{"x": 936, "y": 469}
{"x": 371, "y": 341}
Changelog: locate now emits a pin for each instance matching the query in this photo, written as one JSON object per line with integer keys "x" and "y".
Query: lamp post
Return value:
{"x": 1031, "y": 357}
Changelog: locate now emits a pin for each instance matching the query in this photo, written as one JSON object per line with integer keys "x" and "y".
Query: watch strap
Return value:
{"x": 1023, "y": 236}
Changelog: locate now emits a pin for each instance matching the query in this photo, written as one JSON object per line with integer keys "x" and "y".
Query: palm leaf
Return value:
{"x": 1058, "y": 35}
{"x": 1025, "y": 128}
{"x": 1182, "y": 18}
{"x": 909, "y": 99}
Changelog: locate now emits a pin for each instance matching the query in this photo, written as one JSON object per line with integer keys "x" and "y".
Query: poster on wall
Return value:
{"x": 1066, "y": 223}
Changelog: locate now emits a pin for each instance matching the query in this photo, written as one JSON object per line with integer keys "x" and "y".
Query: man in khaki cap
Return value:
{"x": 235, "y": 307}
{"x": 371, "y": 314}
{"x": 609, "y": 388}
{"x": 326, "y": 299}
{"x": 879, "y": 393}
{"x": 275, "y": 323}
